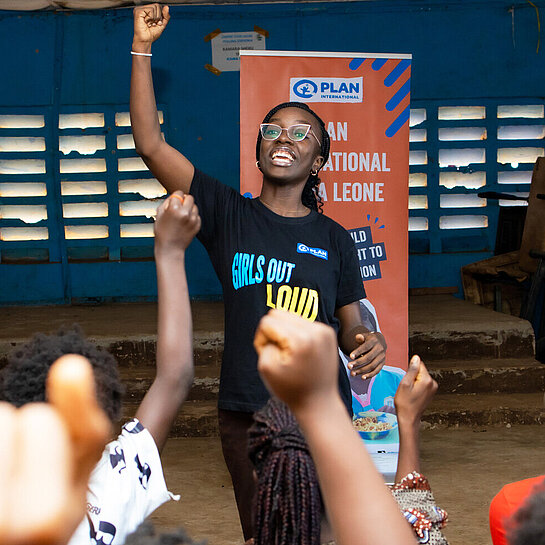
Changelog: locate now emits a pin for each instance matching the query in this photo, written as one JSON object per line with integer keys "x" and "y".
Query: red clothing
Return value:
{"x": 505, "y": 503}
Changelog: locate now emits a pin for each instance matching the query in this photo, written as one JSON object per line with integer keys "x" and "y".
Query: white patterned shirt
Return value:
{"x": 125, "y": 487}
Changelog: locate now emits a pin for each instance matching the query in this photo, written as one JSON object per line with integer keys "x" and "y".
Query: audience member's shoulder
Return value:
{"x": 133, "y": 427}
{"x": 134, "y": 438}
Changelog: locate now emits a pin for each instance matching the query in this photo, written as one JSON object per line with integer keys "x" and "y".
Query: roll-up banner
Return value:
{"x": 363, "y": 99}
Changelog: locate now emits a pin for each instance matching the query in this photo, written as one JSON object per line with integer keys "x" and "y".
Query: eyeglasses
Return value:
{"x": 297, "y": 133}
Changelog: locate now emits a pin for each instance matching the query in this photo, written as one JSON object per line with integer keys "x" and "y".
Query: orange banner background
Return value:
{"x": 365, "y": 183}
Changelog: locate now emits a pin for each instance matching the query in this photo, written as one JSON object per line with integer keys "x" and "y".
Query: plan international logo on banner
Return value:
{"x": 326, "y": 90}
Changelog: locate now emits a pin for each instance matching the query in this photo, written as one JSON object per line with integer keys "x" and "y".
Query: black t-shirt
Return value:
{"x": 307, "y": 265}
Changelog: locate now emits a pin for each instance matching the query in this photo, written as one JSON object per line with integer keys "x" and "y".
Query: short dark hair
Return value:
{"x": 309, "y": 196}
{"x": 146, "y": 534}
{"x": 527, "y": 525}
{"x": 288, "y": 505}
{"x": 23, "y": 379}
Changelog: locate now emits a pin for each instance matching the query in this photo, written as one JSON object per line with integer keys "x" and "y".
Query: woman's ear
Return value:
{"x": 318, "y": 163}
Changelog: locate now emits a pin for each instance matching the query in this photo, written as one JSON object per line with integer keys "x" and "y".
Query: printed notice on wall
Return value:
{"x": 226, "y": 47}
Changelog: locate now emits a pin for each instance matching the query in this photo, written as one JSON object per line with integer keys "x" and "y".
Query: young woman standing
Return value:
{"x": 276, "y": 250}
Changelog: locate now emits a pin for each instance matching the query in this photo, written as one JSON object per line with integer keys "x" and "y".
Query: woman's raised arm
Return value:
{"x": 168, "y": 165}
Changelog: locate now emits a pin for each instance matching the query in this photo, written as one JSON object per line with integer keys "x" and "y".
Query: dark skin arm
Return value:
{"x": 366, "y": 349}
{"x": 176, "y": 225}
{"x": 413, "y": 395}
{"x": 168, "y": 165}
{"x": 290, "y": 348}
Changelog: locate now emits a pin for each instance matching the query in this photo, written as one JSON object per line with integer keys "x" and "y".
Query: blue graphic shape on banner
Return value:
{"x": 378, "y": 64}
{"x": 370, "y": 253}
{"x": 398, "y": 96}
{"x": 399, "y": 122}
{"x": 397, "y": 72}
{"x": 376, "y": 221}
{"x": 356, "y": 63}
{"x": 403, "y": 91}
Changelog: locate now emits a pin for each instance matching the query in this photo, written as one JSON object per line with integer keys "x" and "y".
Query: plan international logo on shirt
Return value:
{"x": 316, "y": 252}
{"x": 326, "y": 89}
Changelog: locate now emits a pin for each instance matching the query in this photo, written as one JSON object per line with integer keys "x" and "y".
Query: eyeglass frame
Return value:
{"x": 309, "y": 131}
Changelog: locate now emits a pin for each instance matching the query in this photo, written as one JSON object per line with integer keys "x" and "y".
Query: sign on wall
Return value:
{"x": 227, "y": 45}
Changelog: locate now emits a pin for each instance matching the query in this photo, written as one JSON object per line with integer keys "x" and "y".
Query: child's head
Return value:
{"x": 23, "y": 379}
{"x": 288, "y": 506}
{"x": 527, "y": 525}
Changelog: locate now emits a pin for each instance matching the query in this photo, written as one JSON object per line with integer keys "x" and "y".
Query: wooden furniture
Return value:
{"x": 515, "y": 282}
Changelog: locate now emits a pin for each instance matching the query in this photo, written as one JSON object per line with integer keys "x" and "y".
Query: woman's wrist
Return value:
{"x": 141, "y": 47}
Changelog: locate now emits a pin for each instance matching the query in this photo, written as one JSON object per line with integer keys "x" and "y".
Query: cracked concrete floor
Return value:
{"x": 466, "y": 468}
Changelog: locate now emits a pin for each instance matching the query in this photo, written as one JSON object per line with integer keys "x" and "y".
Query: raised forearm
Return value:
{"x": 348, "y": 479}
{"x": 409, "y": 447}
{"x": 174, "y": 358}
{"x": 174, "y": 323}
{"x": 144, "y": 119}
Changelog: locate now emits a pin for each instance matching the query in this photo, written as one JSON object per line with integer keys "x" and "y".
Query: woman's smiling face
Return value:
{"x": 283, "y": 160}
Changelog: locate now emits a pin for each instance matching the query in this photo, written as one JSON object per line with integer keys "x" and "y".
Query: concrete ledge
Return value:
{"x": 140, "y": 351}
{"x": 137, "y": 382}
{"x": 441, "y": 326}
{"x": 135, "y": 352}
{"x": 195, "y": 419}
{"x": 444, "y": 327}
{"x": 453, "y": 410}
{"x": 199, "y": 418}
{"x": 458, "y": 344}
{"x": 481, "y": 376}
{"x": 128, "y": 330}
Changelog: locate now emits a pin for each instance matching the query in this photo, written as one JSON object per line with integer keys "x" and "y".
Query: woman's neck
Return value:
{"x": 284, "y": 200}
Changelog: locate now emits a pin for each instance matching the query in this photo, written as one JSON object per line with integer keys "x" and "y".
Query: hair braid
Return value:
{"x": 310, "y": 196}
{"x": 288, "y": 504}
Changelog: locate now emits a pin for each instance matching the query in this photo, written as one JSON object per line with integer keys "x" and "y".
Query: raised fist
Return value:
{"x": 177, "y": 222}
{"x": 414, "y": 392}
{"x": 149, "y": 23}
{"x": 298, "y": 359}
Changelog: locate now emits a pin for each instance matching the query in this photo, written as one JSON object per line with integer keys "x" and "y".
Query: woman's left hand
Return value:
{"x": 369, "y": 357}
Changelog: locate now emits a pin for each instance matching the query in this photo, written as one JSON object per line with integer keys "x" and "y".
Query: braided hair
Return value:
{"x": 310, "y": 196}
{"x": 288, "y": 505}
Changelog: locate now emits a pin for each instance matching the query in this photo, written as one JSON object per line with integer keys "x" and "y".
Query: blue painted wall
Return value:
{"x": 462, "y": 50}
